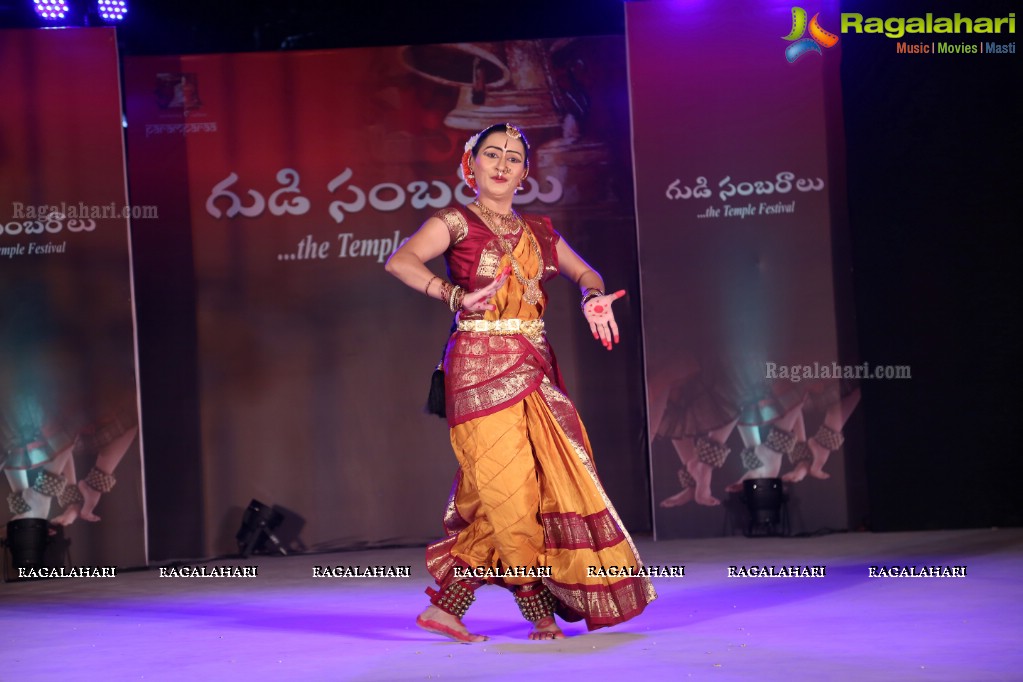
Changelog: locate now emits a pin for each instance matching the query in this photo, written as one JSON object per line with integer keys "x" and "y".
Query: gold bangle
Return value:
{"x": 457, "y": 293}
{"x": 427, "y": 291}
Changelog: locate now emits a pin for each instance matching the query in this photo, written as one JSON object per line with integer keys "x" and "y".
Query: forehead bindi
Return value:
{"x": 501, "y": 142}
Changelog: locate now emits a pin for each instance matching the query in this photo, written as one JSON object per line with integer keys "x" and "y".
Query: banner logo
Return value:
{"x": 818, "y": 36}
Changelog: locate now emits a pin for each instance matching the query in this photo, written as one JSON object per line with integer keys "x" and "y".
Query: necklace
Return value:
{"x": 507, "y": 222}
{"x": 532, "y": 284}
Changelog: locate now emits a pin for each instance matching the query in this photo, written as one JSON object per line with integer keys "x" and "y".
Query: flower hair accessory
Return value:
{"x": 467, "y": 173}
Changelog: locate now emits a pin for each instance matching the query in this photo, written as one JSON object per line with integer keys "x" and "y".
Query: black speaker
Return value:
{"x": 765, "y": 501}
{"x": 34, "y": 543}
{"x": 258, "y": 524}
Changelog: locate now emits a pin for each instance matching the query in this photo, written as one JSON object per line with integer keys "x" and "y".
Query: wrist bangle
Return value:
{"x": 455, "y": 298}
{"x": 589, "y": 295}
{"x": 427, "y": 290}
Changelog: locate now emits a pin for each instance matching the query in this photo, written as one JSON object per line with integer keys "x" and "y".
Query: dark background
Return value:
{"x": 933, "y": 149}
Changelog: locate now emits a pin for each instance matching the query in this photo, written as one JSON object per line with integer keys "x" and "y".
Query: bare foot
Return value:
{"x": 67, "y": 517}
{"x": 797, "y": 474}
{"x": 546, "y": 628}
{"x": 702, "y": 473}
{"x": 820, "y": 458}
{"x": 91, "y": 497}
{"x": 439, "y": 622}
{"x": 706, "y": 499}
{"x": 678, "y": 499}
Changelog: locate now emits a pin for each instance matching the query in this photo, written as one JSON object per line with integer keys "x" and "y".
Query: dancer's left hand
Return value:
{"x": 602, "y": 320}
{"x": 479, "y": 301}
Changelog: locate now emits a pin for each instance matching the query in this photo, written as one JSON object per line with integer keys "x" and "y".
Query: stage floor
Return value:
{"x": 286, "y": 624}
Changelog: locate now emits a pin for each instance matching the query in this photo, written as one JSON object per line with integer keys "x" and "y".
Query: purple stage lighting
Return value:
{"x": 51, "y": 10}
{"x": 112, "y": 10}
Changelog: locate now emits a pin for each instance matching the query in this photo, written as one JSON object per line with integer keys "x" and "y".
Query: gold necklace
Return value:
{"x": 532, "y": 284}
{"x": 509, "y": 221}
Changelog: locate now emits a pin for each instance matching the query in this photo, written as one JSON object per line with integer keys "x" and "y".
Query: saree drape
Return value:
{"x": 526, "y": 494}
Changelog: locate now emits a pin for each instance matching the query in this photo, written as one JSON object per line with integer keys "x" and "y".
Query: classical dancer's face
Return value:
{"x": 500, "y": 165}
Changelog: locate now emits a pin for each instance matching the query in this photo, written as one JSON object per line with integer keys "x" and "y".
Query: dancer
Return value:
{"x": 526, "y": 499}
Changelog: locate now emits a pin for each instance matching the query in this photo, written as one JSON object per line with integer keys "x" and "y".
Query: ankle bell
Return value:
{"x": 536, "y": 602}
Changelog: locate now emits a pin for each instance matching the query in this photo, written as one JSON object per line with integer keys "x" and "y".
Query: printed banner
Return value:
{"x": 69, "y": 442}
{"x": 304, "y": 171}
{"x": 734, "y": 201}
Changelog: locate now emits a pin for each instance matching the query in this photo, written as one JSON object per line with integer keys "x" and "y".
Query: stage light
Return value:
{"x": 765, "y": 501}
{"x": 51, "y": 10}
{"x": 112, "y": 10}
{"x": 257, "y": 528}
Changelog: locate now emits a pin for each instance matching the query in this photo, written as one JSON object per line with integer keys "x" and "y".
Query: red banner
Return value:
{"x": 734, "y": 202}
{"x": 302, "y": 173}
{"x": 68, "y": 403}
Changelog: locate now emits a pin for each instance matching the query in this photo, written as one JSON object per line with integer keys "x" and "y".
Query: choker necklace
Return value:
{"x": 506, "y": 222}
{"x": 532, "y": 284}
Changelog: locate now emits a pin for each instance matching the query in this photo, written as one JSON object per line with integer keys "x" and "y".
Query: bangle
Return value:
{"x": 427, "y": 290}
{"x": 589, "y": 295}
{"x": 455, "y": 298}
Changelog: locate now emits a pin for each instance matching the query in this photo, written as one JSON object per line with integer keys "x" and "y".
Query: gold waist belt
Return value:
{"x": 532, "y": 329}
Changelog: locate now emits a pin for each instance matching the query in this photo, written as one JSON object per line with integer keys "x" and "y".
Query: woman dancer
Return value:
{"x": 526, "y": 501}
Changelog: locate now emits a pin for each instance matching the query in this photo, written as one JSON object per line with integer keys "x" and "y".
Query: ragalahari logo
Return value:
{"x": 818, "y": 36}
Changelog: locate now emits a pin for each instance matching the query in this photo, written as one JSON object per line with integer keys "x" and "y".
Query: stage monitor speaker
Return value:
{"x": 766, "y": 503}
{"x": 256, "y": 532}
{"x": 31, "y": 544}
